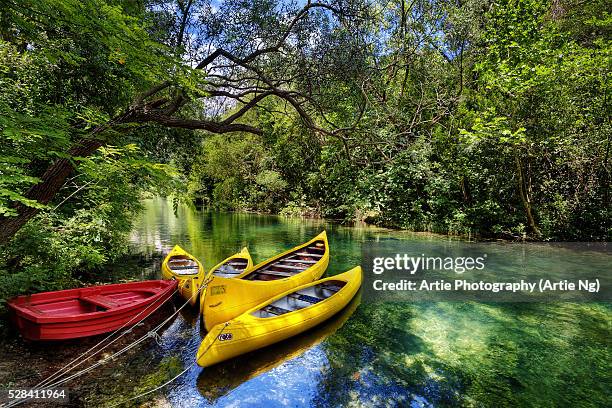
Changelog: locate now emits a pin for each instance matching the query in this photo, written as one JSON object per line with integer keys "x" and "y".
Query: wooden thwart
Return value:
{"x": 275, "y": 273}
{"x": 279, "y": 265}
{"x": 305, "y": 298}
{"x": 100, "y": 300}
{"x": 182, "y": 261}
{"x": 300, "y": 261}
{"x": 316, "y": 248}
{"x": 331, "y": 288}
{"x": 309, "y": 254}
{"x": 180, "y": 268}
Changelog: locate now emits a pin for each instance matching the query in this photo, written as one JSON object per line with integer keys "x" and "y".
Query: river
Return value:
{"x": 421, "y": 354}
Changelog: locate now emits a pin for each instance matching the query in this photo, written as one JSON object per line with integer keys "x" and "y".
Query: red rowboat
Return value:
{"x": 73, "y": 313}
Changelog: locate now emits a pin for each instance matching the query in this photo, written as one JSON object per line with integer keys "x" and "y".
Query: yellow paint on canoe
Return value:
{"x": 226, "y": 298}
{"x": 214, "y": 382}
{"x": 243, "y": 255}
{"x": 248, "y": 332}
{"x": 189, "y": 284}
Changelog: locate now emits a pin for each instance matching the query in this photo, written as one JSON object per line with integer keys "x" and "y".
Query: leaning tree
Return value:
{"x": 194, "y": 65}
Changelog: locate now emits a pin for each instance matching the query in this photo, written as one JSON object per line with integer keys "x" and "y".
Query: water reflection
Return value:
{"x": 219, "y": 380}
{"x": 442, "y": 354}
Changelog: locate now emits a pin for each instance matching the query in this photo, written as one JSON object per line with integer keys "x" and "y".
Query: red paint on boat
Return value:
{"x": 74, "y": 313}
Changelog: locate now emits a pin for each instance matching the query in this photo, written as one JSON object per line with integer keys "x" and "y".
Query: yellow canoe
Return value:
{"x": 189, "y": 272}
{"x": 186, "y": 269}
{"x": 213, "y": 383}
{"x": 232, "y": 266}
{"x": 226, "y": 298}
{"x": 279, "y": 318}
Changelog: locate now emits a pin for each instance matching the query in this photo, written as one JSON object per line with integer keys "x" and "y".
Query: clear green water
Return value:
{"x": 372, "y": 354}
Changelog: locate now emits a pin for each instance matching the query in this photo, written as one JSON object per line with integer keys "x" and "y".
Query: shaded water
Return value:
{"x": 371, "y": 354}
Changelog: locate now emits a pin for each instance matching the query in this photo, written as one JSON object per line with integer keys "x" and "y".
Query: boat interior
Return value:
{"x": 300, "y": 299}
{"x": 88, "y": 303}
{"x": 231, "y": 268}
{"x": 290, "y": 264}
{"x": 183, "y": 265}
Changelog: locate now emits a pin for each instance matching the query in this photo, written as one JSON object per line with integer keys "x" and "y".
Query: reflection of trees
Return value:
{"x": 446, "y": 354}
{"x": 212, "y": 236}
{"x": 452, "y": 354}
{"x": 359, "y": 357}
{"x": 217, "y": 381}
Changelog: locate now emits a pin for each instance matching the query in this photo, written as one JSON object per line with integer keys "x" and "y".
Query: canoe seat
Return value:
{"x": 305, "y": 298}
{"x": 227, "y": 271}
{"x": 292, "y": 267}
{"x": 100, "y": 300}
{"x": 275, "y": 310}
{"x": 314, "y": 248}
{"x": 181, "y": 262}
{"x": 190, "y": 271}
{"x": 177, "y": 267}
{"x": 299, "y": 261}
{"x": 34, "y": 308}
{"x": 275, "y": 273}
{"x": 309, "y": 254}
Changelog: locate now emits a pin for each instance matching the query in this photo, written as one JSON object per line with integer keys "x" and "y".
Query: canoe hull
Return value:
{"x": 188, "y": 285}
{"x": 70, "y": 314}
{"x": 247, "y": 332}
{"x": 227, "y": 298}
{"x": 243, "y": 256}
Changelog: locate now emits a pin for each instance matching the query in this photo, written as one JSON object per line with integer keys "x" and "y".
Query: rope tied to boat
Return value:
{"x": 159, "y": 387}
{"x": 71, "y": 366}
{"x": 131, "y": 329}
{"x": 156, "y": 337}
{"x": 152, "y": 333}
{"x": 48, "y": 382}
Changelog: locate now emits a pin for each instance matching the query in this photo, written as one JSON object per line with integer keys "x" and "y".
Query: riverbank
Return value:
{"x": 370, "y": 220}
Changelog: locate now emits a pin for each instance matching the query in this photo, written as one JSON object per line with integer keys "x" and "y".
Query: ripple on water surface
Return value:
{"x": 372, "y": 354}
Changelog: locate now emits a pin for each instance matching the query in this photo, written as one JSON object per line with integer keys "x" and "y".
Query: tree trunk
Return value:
{"x": 525, "y": 197}
{"x": 50, "y": 183}
{"x": 56, "y": 174}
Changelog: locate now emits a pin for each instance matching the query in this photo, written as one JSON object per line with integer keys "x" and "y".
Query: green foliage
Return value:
{"x": 489, "y": 118}
{"x": 247, "y": 172}
{"x": 88, "y": 227}
{"x": 66, "y": 67}
{"x": 231, "y": 164}
{"x": 474, "y": 117}
{"x": 549, "y": 88}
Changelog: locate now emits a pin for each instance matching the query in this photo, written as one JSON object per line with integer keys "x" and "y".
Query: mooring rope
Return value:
{"x": 68, "y": 367}
{"x": 159, "y": 387}
{"x": 151, "y": 333}
{"x": 154, "y": 389}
